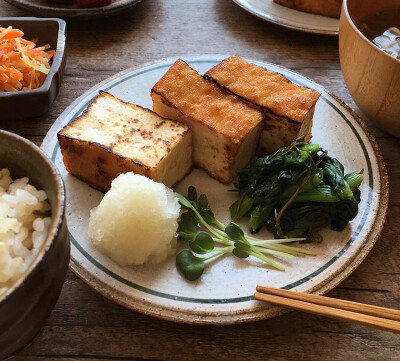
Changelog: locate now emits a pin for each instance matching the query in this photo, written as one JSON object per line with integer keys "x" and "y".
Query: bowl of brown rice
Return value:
{"x": 34, "y": 246}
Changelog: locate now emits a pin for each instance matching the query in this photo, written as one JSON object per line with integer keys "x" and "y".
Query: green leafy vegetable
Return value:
{"x": 321, "y": 194}
{"x": 192, "y": 194}
{"x": 199, "y": 225}
{"x": 354, "y": 180}
{"x": 234, "y": 232}
{"x": 203, "y": 201}
{"x": 259, "y": 216}
{"x": 203, "y": 243}
{"x": 241, "y": 207}
{"x": 188, "y": 225}
{"x": 191, "y": 266}
{"x": 183, "y": 201}
{"x": 297, "y": 191}
{"x": 333, "y": 177}
{"x": 241, "y": 250}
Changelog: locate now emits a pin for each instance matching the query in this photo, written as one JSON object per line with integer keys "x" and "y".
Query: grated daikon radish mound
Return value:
{"x": 136, "y": 221}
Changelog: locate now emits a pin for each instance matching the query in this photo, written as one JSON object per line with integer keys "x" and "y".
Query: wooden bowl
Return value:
{"x": 371, "y": 75}
{"x": 25, "y": 306}
{"x": 32, "y": 103}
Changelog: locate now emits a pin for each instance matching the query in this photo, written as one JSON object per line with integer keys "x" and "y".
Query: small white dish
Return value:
{"x": 290, "y": 18}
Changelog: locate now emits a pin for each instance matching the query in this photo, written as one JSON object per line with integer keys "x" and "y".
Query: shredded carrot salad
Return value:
{"x": 23, "y": 66}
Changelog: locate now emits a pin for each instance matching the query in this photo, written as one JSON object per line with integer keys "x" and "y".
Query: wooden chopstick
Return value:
{"x": 380, "y": 317}
{"x": 334, "y": 302}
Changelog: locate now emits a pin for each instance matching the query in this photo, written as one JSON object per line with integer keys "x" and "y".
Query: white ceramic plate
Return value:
{"x": 224, "y": 293}
{"x": 290, "y": 18}
{"x": 46, "y": 8}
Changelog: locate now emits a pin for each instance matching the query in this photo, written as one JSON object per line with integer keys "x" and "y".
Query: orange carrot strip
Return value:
{"x": 12, "y": 34}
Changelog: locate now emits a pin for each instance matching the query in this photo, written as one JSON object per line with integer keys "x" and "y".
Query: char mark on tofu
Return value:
{"x": 125, "y": 137}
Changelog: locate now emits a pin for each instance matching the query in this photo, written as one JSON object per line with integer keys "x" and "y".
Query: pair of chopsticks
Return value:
{"x": 375, "y": 316}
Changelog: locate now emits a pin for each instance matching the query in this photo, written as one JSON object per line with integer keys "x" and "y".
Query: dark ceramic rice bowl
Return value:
{"x": 25, "y": 306}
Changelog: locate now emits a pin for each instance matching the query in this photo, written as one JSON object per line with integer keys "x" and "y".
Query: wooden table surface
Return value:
{"x": 86, "y": 326}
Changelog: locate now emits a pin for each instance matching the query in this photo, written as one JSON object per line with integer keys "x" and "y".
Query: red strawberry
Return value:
{"x": 92, "y": 3}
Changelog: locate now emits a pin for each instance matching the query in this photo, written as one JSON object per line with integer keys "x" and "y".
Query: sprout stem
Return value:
{"x": 221, "y": 233}
{"x": 291, "y": 249}
{"x": 220, "y": 225}
{"x": 276, "y": 253}
{"x": 205, "y": 224}
{"x": 260, "y": 242}
{"x": 220, "y": 252}
{"x": 222, "y": 241}
{"x": 267, "y": 260}
{"x": 289, "y": 202}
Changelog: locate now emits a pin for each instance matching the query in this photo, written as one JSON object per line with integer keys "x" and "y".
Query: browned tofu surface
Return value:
{"x": 329, "y": 8}
{"x": 113, "y": 137}
{"x": 206, "y": 102}
{"x": 226, "y": 130}
{"x": 264, "y": 88}
{"x": 288, "y": 108}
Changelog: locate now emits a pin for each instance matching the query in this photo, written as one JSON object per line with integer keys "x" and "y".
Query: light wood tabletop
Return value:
{"x": 86, "y": 326}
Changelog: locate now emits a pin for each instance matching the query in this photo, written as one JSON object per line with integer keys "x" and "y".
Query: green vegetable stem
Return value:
{"x": 204, "y": 232}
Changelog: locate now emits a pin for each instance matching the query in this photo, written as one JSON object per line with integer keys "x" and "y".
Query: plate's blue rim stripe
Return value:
{"x": 235, "y": 299}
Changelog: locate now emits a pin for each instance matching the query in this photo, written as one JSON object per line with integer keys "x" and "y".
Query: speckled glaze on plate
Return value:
{"x": 46, "y": 8}
{"x": 224, "y": 294}
{"x": 290, "y": 18}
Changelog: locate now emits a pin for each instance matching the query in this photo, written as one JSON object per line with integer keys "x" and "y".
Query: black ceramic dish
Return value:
{"x": 25, "y": 306}
{"x": 71, "y": 11}
{"x": 31, "y": 103}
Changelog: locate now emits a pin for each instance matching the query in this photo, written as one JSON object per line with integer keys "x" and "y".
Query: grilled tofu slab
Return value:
{"x": 113, "y": 137}
{"x": 225, "y": 129}
{"x": 329, "y": 8}
{"x": 288, "y": 108}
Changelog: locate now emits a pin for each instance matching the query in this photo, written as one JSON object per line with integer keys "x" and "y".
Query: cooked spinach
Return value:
{"x": 297, "y": 191}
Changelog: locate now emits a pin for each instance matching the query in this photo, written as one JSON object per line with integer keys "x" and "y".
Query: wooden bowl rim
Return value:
{"x": 362, "y": 36}
{"x": 57, "y": 215}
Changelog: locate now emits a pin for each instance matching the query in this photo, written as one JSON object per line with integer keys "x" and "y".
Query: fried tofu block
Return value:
{"x": 113, "y": 137}
{"x": 225, "y": 129}
{"x": 288, "y": 108}
{"x": 329, "y": 8}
